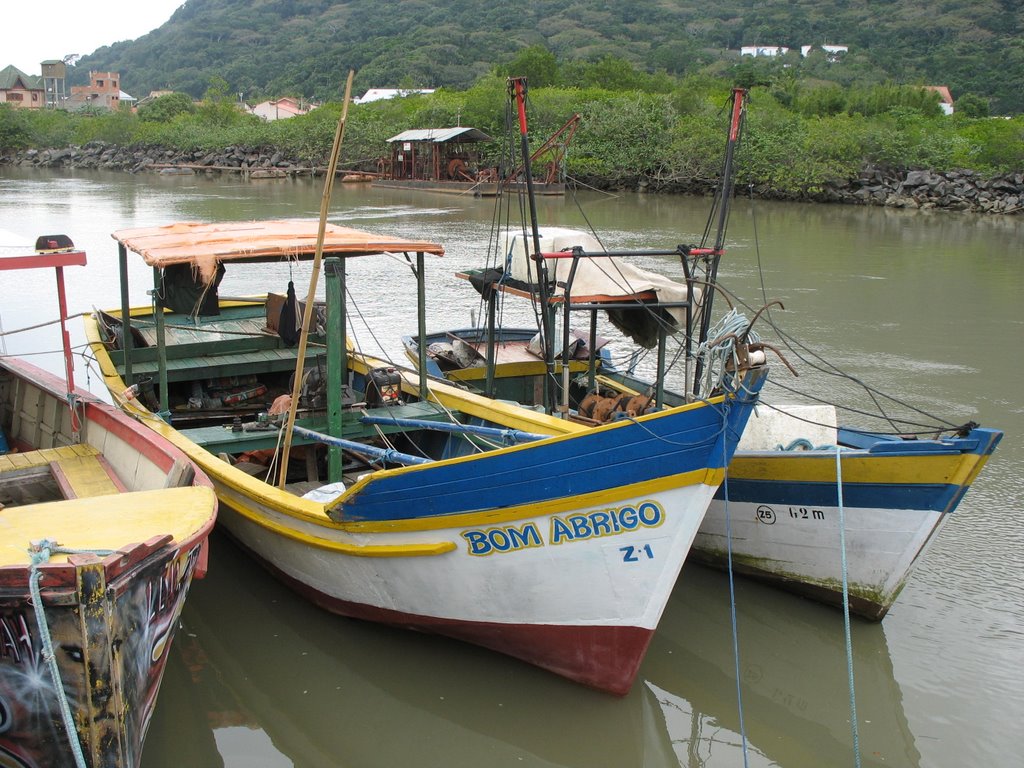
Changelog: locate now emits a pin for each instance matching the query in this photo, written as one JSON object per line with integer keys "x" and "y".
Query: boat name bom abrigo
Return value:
{"x": 565, "y": 528}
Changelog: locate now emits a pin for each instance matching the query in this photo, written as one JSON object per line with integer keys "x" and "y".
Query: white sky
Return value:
{"x": 38, "y": 31}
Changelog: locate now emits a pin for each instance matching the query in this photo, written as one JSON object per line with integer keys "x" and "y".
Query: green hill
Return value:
{"x": 267, "y": 48}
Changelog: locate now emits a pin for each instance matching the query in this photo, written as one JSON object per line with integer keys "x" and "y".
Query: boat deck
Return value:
{"x": 219, "y": 329}
{"x": 96, "y": 523}
{"x": 79, "y": 471}
{"x": 215, "y": 345}
{"x": 221, "y": 439}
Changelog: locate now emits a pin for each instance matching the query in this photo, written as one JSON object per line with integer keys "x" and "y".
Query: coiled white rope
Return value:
{"x": 720, "y": 349}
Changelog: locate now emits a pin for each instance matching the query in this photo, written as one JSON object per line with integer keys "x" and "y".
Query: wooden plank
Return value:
{"x": 231, "y": 322}
{"x": 217, "y": 366}
{"x": 85, "y": 476}
{"x": 183, "y": 340}
{"x": 201, "y": 347}
{"x": 182, "y": 473}
{"x": 10, "y": 462}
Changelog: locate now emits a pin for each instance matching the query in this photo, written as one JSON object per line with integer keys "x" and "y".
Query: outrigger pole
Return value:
{"x": 311, "y": 296}
{"x": 739, "y": 103}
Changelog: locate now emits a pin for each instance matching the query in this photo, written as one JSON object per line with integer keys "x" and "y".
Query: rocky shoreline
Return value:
{"x": 102, "y": 156}
{"x": 958, "y": 190}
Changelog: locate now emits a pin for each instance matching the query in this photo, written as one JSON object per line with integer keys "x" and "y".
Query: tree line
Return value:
{"x": 299, "y": 47}
{"x": 665, "y": 133}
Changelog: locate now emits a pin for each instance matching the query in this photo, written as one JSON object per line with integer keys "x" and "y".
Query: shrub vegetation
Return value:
{"x": 800, "y": 135}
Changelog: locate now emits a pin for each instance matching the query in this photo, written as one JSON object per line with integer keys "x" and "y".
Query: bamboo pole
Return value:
{"x": 311, "y": 296}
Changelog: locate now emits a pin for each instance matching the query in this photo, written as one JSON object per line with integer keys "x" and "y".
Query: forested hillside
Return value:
{"x": 266, "y": 48}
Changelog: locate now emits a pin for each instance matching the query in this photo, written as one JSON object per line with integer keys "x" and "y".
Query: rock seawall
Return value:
{"x": 950, "y": 190}
{"x": 99, "y": 155}
{"x": 958, "y": 190}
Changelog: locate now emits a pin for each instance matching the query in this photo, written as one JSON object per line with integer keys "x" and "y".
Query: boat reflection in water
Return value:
{"x": 262, "y": 678}
{"x": 795, "y": 681}
{"x": 280, "y": 682}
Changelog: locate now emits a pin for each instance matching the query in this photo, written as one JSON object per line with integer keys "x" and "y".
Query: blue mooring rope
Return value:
{"x": 732, "y": 610}
{"x": 40, "y": 552}
{"x": 846, "y": 609}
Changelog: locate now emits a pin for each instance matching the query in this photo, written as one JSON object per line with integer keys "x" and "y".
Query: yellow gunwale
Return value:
{"x": 315, "y": 513}
{"x": 356, "y": 550}
{"x": 882, "y": 469}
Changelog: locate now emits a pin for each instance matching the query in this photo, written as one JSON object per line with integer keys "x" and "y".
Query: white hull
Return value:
{"x": 598, "y": 579}
{"x": 802, "y": 547}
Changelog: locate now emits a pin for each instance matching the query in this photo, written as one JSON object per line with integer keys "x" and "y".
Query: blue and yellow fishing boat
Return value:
{"x": 407, "y": 500}
{"x": 848, "y": 518}
{"x": 802, "y": 491}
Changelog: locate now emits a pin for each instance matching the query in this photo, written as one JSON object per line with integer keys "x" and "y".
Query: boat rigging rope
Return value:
{"x": 44, "y": 351}
{"x": 803, "y": 444}
{"x": 38, "y": 325}
{"x": 922, "y": 429}
{"x": 40, "y": 553}
{"x": 846, "y": 607}
{"x": 825, "y": 367}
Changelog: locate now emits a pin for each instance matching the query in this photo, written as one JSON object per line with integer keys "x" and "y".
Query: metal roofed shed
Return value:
{"x": 441, "y": 135}
{"x": 441, "y": 160}
{"x": 453, "y": 160}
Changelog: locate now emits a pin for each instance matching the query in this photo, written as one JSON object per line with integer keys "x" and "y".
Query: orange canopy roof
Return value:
{"x": 204, "y": 245}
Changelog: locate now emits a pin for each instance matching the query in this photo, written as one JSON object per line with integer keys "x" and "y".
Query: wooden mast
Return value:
{"x": 739, "y": 100}
{"x": 518, "y": 88}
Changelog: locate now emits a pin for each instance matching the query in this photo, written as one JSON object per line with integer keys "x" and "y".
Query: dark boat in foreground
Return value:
{"x": 103, "y": 526}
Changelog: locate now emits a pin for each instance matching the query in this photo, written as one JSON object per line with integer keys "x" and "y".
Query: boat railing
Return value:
{"x": 646, "y": 299}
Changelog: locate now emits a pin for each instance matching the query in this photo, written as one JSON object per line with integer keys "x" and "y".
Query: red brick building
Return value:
{"x": 103, "y": 92}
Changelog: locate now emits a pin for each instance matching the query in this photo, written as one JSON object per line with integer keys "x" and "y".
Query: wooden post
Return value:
{"x": 126, "y": 317}
{"x": 334, "y": 271}
{"x": 161, "y": 341}
{"x": 421, "y": 318}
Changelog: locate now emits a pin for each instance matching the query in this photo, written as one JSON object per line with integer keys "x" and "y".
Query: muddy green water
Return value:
{"x": 923, "y": 306}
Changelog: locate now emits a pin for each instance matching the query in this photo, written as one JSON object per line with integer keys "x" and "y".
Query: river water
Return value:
{"x": 924, "y": 306}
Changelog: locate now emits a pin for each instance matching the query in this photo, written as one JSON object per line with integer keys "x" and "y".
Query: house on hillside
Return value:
{"x": 379, "y": 94}
{"x": 832, "y": 52}
{"x": 763, "y": 50}
{"x": 20, "y": 90}
{"x": 945, "y": 97}
{"x": 281, "y": 109}
{"x": 102, "y": 92}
